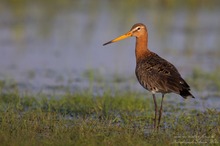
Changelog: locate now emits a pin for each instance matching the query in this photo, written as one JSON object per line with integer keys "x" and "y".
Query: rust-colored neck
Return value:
{"x": 141, "y": 49}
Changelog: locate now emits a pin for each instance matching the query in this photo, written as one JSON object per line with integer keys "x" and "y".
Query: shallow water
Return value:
{"x": 58, "y": 48}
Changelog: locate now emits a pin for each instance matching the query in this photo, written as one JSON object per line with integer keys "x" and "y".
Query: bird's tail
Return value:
{"x": 185, "y": 93}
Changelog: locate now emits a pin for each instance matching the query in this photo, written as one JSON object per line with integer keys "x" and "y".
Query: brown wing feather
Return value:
{"x": 156, "y": 74}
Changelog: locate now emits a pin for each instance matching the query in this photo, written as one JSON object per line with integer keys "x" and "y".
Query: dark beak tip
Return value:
{"x": 107, "y": 43}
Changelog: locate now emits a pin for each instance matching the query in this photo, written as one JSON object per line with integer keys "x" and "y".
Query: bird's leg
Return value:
{"x": 160, "y": 112}
{"x": 155, "y": 117}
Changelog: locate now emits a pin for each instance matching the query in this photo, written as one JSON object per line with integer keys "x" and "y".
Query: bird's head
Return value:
{"x": 137, "y": 30}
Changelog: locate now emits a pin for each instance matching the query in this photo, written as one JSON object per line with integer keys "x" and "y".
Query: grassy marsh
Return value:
{"x": 84, "y": 119}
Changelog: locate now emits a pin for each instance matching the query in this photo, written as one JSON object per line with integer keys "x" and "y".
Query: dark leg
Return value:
{"x": 160, "y": 112}
{"x": 155, "y": 117}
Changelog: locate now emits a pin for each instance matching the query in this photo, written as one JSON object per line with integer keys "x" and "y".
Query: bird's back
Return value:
{"x": 158, "y": 75}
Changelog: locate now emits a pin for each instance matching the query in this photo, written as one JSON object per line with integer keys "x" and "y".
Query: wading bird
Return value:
{"x": 153, "y": 72}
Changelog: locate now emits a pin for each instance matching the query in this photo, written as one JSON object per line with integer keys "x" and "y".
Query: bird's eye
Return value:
{"x": 138, "y": 28}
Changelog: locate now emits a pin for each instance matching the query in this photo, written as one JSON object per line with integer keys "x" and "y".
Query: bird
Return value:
{"x": 154, "y": 73}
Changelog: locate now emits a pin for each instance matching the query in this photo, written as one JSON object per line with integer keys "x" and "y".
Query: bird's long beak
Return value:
{"x": 128, "y": 34}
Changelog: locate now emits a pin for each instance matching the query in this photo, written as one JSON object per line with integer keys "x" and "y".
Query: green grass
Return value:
{"x": 83, "y": 119}
{"x": 203, "y": 80}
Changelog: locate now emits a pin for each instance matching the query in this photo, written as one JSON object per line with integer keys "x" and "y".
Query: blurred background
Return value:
{"x": 56, "y": 45}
